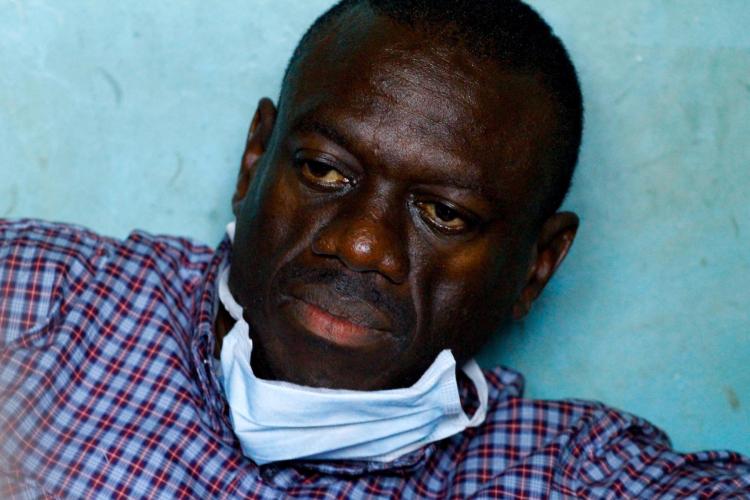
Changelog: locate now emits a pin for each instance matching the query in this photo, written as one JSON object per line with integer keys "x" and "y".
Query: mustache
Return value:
{"x": 360, "y": 286}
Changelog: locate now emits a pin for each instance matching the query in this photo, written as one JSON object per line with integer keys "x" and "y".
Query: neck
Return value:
{"x": 222, "y": 327}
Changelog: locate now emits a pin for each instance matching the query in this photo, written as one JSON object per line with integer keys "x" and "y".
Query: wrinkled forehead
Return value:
{"x": 369, "y": 70}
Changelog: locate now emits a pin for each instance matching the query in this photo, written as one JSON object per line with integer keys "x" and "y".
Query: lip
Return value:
{"x": 341, "y": 320}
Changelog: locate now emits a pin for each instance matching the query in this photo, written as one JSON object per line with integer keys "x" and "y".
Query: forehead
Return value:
{"x": 408, "y": 99}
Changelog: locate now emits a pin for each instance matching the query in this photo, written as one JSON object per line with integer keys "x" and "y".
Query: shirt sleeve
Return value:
{"x": 626, "y": 456}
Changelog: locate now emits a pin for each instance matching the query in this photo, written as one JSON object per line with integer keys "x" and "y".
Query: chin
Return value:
{"x": 322, "y": 372}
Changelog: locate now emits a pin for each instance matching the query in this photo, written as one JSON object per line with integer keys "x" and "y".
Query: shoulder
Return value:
{"x": 27, "y": 240}
{"x": 32, "y": 241}
{"x": 572, "y": 427}
{"x": 43, "y": 265}
{"x": 40, "y": 263}
{"x": 596, "y": 450}
{"x": 522, "y": 426}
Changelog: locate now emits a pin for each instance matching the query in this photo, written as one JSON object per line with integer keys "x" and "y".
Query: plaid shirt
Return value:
{"x": 107, "y": 390}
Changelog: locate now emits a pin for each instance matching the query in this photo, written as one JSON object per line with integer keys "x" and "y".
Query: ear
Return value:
{"x": 257, "y": 143}
{"x": 555, "y": 239}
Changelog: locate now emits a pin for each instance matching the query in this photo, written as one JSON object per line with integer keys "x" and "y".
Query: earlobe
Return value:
{"x": 258, "y": 138}
{"x": 555, "y": 239}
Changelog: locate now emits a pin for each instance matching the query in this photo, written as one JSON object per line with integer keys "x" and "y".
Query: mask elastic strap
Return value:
{"x": 225, "y": 296}
{"x": 230, "y": 230}
{"x": 475, "y": 374}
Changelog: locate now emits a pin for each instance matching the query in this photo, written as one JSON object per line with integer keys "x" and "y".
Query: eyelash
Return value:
{"x": 469, "y": 222}
{"x": 301, "y": 163}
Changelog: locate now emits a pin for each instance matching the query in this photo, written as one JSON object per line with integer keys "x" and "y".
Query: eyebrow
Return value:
{"x": 309, "y": 124}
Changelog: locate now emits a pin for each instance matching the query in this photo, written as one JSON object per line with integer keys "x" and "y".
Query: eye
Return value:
{"x": 322, "y": 174}
{"x": 443, "y": 217}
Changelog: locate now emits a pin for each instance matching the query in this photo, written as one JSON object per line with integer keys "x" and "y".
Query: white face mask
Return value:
{"x": 277, "y": 421}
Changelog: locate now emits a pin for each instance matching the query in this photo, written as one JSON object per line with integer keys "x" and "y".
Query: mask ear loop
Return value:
{"x": 225, "y": 296}
{"x": 230, "y": 230}
{"x": 475, "y": 374}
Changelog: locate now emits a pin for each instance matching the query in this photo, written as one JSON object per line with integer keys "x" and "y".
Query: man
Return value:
{"x": 396, "y": 208}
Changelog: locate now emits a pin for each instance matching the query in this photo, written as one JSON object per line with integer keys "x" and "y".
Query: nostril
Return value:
{"x": 395, "y": 269}
{"x": 324, "y": 244}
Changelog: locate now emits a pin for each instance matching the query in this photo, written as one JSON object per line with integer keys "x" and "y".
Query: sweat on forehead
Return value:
{"x": 507, "y": 33}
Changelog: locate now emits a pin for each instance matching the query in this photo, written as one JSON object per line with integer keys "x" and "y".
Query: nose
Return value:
{"x": 365, "y": 239}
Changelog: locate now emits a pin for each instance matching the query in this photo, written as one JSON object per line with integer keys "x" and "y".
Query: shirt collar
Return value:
{"x": 208, "y": 299}
{"x": 203, "y": 342}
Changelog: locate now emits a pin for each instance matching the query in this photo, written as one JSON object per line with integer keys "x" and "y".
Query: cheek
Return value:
{"x": 459, "y": 282}
{"x": 279, "y": 207}
{"x": 472, "y": 293}
{"x": 280, "y": 218}
{"x": 271, "y": 231}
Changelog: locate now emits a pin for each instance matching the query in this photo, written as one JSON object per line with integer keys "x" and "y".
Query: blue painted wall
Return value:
{"x": 118, "y": 115}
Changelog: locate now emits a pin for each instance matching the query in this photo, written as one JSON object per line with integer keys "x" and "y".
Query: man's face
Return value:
{"x": 392, "y": 213}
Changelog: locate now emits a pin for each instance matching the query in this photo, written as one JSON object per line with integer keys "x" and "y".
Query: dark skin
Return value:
{"x": 390, "y": 209}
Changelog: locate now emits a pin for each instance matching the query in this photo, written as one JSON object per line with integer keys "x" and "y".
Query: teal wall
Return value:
{"x": 118, "y": 115}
